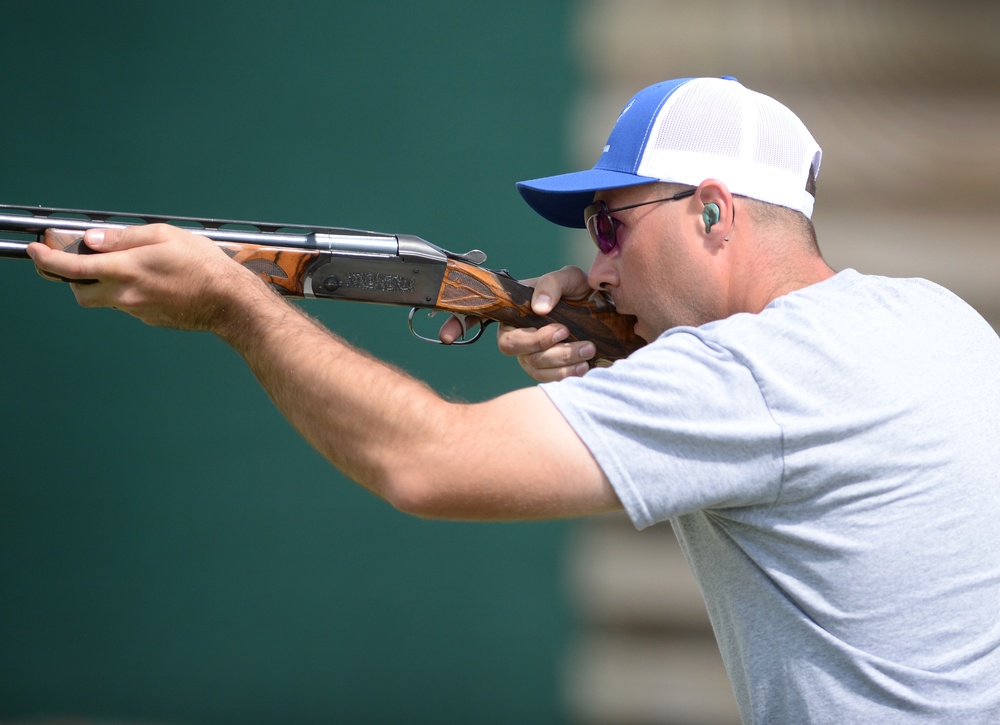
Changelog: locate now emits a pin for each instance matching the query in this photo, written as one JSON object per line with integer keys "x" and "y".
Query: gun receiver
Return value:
{"x": 349, "y": 264}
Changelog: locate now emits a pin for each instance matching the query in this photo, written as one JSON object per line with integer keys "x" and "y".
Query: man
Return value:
{"x": 825, "y": 445}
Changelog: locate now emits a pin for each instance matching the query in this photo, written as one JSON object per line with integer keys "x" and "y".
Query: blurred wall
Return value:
{"x": 170, "y": 551}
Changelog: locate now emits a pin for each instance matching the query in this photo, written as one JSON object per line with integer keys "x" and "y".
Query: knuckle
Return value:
{"x": 159, "y": 232}
{"x": 115, "y": 238}
{"x": 566, "y": 354}
{"x": 555, "y": 357}
{"x": 144, "y": 234}
{"x": 75, "y": 268}
{"x": 563, "y": 373}
{"x": 84, "y": 300}
{"x": 513, "y": 342}
{"x": 86, "y": 297}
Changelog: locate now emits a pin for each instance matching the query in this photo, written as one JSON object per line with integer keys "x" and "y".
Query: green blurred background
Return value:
{"x": 170, "y": 551}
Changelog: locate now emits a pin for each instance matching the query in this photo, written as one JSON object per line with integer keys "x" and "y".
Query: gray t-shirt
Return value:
{"x": 832, "y": 469}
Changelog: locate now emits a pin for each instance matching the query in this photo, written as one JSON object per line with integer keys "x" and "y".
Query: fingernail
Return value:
{"x": 581, "y": 369}
{"x": 559, "y": 335}
{"x": 94, "y": 238}
{"x": 588, "y": 350}
{"x": 543, "y": 304}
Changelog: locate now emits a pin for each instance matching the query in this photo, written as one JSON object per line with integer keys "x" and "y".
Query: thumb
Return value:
{"x": 100, "y": 240}
{"x": 568, "y": 282}
{"x": 112, "y": 239}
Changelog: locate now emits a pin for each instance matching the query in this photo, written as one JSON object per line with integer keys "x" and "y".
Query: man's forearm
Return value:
{"x": 358, "y": 411}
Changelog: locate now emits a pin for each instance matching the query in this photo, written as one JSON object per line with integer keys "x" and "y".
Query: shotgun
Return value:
{"x": 349, "y": 264}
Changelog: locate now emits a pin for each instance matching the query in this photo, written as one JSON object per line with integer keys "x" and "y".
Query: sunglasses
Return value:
{"x": 603, "y": 227}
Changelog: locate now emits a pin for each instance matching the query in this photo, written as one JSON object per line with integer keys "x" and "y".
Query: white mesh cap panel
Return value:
{"x": 715, "y": 128}
{"x": 783, "y": 141}
{"x": 699, "y": 120}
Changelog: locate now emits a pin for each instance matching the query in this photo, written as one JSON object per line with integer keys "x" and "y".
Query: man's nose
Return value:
{"x": 602, "y": 273}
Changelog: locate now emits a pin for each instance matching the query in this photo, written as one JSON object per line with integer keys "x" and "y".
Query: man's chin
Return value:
{"x": 642, "y": 331}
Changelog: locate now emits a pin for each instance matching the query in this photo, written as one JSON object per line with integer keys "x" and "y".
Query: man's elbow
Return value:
{"x": 417, "y": 495}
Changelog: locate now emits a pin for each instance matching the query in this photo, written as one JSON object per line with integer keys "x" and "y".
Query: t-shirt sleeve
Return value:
{"x": 681, "y": 425}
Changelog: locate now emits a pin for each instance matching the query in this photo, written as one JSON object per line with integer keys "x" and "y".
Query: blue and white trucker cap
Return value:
{"x": 685, "y": 131}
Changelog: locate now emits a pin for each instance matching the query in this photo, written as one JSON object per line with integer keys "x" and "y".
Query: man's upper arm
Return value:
{"x": 524, "y": 462}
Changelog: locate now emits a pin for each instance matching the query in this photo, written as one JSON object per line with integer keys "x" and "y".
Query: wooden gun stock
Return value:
{"x": 472, "y": 290}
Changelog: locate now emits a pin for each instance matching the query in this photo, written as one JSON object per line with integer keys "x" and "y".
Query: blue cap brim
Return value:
{"x": 562, "y": 199}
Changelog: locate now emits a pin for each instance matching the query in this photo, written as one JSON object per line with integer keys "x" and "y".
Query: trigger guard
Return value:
{"x": 434, "y": 341}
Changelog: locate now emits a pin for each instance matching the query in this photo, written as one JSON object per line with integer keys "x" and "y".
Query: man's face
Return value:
{"x": 661, "y": 270}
